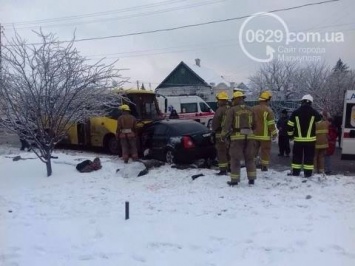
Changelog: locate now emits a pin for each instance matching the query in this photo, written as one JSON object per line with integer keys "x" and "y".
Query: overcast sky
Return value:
{"x": 149, "y": 58}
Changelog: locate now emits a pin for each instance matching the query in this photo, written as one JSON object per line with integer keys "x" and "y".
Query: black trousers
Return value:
{"x": 284, "y": 145}
{"x": 303, "y": 155}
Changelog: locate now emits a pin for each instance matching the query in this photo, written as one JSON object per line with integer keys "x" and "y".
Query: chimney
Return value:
{"x": 198, "y": 62}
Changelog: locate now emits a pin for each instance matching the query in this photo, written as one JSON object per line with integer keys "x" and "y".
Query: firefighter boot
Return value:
{"x": 222, "y": 172}
{"x": 233, "y": 183}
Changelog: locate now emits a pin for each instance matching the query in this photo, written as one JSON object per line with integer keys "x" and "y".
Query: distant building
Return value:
{"x": 189, "y": 79}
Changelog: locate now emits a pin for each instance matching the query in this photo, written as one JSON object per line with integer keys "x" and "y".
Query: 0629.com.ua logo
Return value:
{"x": 281, "y": 42}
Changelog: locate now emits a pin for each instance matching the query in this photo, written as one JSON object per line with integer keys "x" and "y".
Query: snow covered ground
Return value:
{"x": 78, "y": 219}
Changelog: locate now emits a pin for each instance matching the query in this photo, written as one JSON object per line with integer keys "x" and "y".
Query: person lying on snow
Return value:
{"x": 88, "y": 166}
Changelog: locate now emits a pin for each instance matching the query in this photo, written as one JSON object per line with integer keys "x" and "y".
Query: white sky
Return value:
{"x": 215, "y": 44}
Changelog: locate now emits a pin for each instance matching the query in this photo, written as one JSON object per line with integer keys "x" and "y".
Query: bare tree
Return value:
{"x": 48, "y": 87}
{"x": 338, "y": 83}
{"x": 313, "y": 79}
{"x": 326, "y": 85}
{"x": 276, "y": 76}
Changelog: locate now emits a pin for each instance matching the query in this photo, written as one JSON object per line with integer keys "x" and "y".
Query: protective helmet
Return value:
{"x": 222, "y": 96}
{"x": 265, "y": 96}
{"x": 238, "y": 94}
{"x": 307, "y": 98}
{"x": 124, "y": 107}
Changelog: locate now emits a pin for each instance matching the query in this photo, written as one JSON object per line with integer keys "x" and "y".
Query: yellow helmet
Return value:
{"x": 222, "y": 96}
{"x": 238, "y": 94}
{"x": 124, "y": 107}
{"x": 265, "y": 96}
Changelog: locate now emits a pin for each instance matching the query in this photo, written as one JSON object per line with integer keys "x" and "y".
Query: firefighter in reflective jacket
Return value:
{"x": 302, "y": 128}
{"x": 265, "y": 129}
{"x": 217, "y": 125}
{"x": 321, "y": 143}
{"x": 126, "y": 132}
{"x": 239, "y": 128}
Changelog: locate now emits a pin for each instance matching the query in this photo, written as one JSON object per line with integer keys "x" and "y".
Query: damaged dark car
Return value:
{"x": 178, "y": 141}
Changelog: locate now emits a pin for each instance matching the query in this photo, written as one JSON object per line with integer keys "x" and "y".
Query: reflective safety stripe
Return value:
{"x": 296, "y": 166}
{"x": 234, "y": 177}
{"x": 221, "y": 165}
{"x": 321, "y": 146}
{"x": 271, "y": 122}
{"x": 274, "y": 132}
{"x": 322, "y": 131}
{"x": 290, "y": 123}
{"x": 262, "y": 137}
{"x": 290, "y": 133}
{"x": 264, "y": 162}
{"x": 237, "y": 122}
{"x": 308, "y": 138}
{"x": 251, "y": 174}
{"x": 238, "y": 136}
{"x": 265, "y": 124}
{"x": 308, "y": 167}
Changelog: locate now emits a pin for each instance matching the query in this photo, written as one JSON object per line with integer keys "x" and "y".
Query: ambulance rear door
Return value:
{"x": 348, "y": 138}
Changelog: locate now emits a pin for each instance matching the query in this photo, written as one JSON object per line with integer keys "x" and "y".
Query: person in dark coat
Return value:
{"x": 302, "y": 128}
{"x": 173, "y": 114}
{"x": 284, "y": 140}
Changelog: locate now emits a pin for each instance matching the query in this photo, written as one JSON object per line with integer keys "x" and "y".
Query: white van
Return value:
{"x": 187, "y": 107}
{"x": 348, "y": 127}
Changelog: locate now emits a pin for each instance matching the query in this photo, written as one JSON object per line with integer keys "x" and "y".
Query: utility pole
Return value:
{"x": 137, "y": 84}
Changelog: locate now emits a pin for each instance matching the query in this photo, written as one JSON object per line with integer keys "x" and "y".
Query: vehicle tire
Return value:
{"x": 112, "y": 146}
{"x": 169, "y": 156}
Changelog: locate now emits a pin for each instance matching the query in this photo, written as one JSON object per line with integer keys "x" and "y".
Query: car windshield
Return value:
{"x": 188, "y": 128}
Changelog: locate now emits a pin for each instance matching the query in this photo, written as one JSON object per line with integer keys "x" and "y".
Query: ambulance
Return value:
{"x": 348, "y": 126}
{"x": 189, "y": 107}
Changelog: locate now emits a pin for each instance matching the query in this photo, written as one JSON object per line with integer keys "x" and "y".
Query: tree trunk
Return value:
{"x": 49, "y": 163}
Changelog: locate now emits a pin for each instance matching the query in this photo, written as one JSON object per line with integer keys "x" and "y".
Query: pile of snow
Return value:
{"x": 74, "y": 218}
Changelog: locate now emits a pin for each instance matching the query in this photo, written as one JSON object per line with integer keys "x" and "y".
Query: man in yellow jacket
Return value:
{"x": 265, "y": 128}
{"x": 217, "y": 127}
{"x": 321, "y": 143}
{"x": 239, "y": 127}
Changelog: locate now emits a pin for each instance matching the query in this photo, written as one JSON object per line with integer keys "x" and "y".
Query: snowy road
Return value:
{"x": 78, "y": 219}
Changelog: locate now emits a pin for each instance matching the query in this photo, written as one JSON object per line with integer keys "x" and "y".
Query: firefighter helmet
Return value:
{"x": 307, "y": 98}
{"x": 124, "y": 107}
{"x": 222, "y": 96}
{"x": 238, "y": 94}
{"x": 265, "y": 96}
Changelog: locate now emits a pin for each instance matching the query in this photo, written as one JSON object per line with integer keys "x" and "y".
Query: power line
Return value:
{"x": 122, "y": 10}
{"x": 190, "y": 25}
{"x": 172, "y": 49}
{"x": 130, "y": 16}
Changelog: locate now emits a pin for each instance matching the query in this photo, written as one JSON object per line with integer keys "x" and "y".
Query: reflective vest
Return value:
{"x": 242, "y": 123}
{"x": 301, "y": 125}
{"x": 264, "y": 122}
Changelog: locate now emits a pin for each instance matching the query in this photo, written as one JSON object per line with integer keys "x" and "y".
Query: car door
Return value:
{"x": 159, "y": 141}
